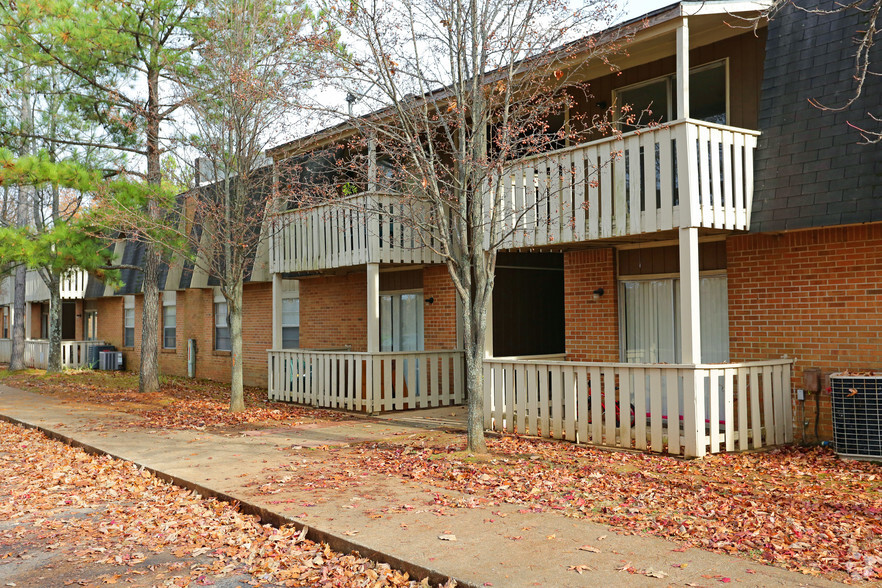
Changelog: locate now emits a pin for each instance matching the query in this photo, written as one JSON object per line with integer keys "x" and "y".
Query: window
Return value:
{"x": 169, "y": 324}
{"x": 91, "y": 325}
{"x": 708, "y": 94}
{"x": 401, "y": 322}
{"x": 651, "y": 320}
{"x": 221, "y": 327}
{"x": 129, "y": 321}
{"x": 290, "y": 323}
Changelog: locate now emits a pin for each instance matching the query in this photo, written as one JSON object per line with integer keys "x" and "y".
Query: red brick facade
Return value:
{"x": 195, "y": 320}
{"x": 814, "y": 295}
{"x": 333, "y": 312}
{"x": 592, "y": 332}
{"x": 439, "y": 318}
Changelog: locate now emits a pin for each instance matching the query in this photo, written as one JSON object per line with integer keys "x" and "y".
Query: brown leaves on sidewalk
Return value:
{"x": 180, "y": 403}
{"x": 118, "y": 515}
{"x": 803, "y": 509}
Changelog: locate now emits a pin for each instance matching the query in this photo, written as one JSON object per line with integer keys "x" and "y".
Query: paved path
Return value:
{"x": 387, "y": 518}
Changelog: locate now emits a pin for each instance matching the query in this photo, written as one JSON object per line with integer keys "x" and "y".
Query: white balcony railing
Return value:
{"x": 643, "y": 406}
{"x": 74, "y": 354}
{"x": 688, "y": 173}
{"x": 73, "y": 286}
{"x": 367, "y": 382}
{"x": 366, "y": 228}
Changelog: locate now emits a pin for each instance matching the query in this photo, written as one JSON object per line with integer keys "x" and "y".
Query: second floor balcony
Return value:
{"x": 688, "y": 173}
{"x": 364, "y": 228}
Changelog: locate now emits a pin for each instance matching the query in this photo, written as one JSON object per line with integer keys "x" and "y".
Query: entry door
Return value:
{"x": 401, "y": 329}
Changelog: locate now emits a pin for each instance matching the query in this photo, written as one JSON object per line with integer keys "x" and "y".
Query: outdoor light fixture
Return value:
{"x": 430, "y": 300}
{"x": 598, "y": 293}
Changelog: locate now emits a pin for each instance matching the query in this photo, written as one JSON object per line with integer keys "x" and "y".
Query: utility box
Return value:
{"x": 857, "y": 415}
{"x": 110, "y": 360}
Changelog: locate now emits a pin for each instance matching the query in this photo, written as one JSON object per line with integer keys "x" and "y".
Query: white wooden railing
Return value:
{"x": 74, "y": 354}
{"x": 740, "y": 406}
{"x": 366, "y": 228}
{"x": 73, "y": 286}
{"x": 367, "y": 382}
{"x": 688, "y": 173}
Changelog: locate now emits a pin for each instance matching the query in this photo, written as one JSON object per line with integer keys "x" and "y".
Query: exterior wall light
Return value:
{"x": 598, "y": 293}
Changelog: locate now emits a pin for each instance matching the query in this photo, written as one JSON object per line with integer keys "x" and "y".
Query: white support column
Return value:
{"x": 28, "y": 310}
{"x": 488, "y": 331}
{"x": 373, "y": 307}
{"x": 683, "y": 70}
{"x": 277, "y": 311}
{"x": 690, "y": 341}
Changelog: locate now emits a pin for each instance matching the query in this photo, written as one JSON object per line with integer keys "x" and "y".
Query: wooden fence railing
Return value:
{"x": 686, "y": 173}
{"x": 679, "y": 409}
{"x": 74, "y": 354}
{"x": 367, "y": 382}
{"x": 365, "y": 228}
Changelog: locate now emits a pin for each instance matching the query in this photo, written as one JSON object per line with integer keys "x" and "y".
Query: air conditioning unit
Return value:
{"x": 110, "y": 360}
{"x": 857, "y": 414}
{"x": 93, "y": 354}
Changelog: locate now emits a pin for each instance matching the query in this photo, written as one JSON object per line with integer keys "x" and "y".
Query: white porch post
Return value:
{"x": 373, "y": 334}
{"x": 28, "y": 311}
{"x": 690, "y": 333}
{"x": 690, "y": 305}
{"x": 488, "y": 331}
{"x": 683, "y": 70}
{"x": 277, "y": 311}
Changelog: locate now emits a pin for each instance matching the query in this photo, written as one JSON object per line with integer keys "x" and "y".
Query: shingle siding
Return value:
{"x": 810, "y": 169}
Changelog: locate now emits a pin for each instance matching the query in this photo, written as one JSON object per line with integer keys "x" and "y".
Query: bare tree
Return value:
{"x": 460, "y": 90}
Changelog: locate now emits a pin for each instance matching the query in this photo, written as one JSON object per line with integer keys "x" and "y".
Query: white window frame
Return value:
{"x": 218, "y": 327}
{"x": 293, "y": 325}
{"x": 169, "y": 301}
{"x": 128, "y": 317}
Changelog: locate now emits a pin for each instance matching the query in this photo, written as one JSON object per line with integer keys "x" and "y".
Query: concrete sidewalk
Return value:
{"x": 386, "y": 518}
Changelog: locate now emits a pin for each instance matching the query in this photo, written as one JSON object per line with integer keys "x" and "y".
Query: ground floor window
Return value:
{"x": 221, "y": 327}
{"x": 91, "y": 317}
{"x": 290, "y": 323}
{"x": 129, "y": 321}
{"x": 169, "y": 326}
{"x": 401, "y": 321}
{"x": 650, "y": 318}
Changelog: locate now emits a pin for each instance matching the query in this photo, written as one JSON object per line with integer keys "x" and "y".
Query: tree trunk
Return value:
{"x": 237, "y": 395}
{"x": 54, "y": 284}
{"x": 474, "y": 367}
{"x": 16, "y": 362}
{"x": 148, "y": 379}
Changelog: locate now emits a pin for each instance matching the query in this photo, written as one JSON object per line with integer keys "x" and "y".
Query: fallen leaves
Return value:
{"x": 124, "y": 516}
{"x": 798, "y": 508}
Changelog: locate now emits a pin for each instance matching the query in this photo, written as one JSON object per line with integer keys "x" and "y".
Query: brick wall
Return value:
{"x": 195, "y": 320}
{"x": 814, "y": 295}
{"x": 333, "y": 312}
{"x": 591, "y": 325}
{"x": 439, "y": 318}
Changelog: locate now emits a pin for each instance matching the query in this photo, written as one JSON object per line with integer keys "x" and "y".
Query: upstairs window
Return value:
{"x": 708, "y": 97}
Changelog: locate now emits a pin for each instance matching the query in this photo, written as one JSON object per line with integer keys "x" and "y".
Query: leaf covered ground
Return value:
{"x": 180, "y": 403}
{"x": 797, "y": 508}
{"x": 106, "y": 514}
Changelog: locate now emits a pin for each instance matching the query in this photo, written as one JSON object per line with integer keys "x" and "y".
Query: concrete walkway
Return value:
{"x": 386, "y": 518}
